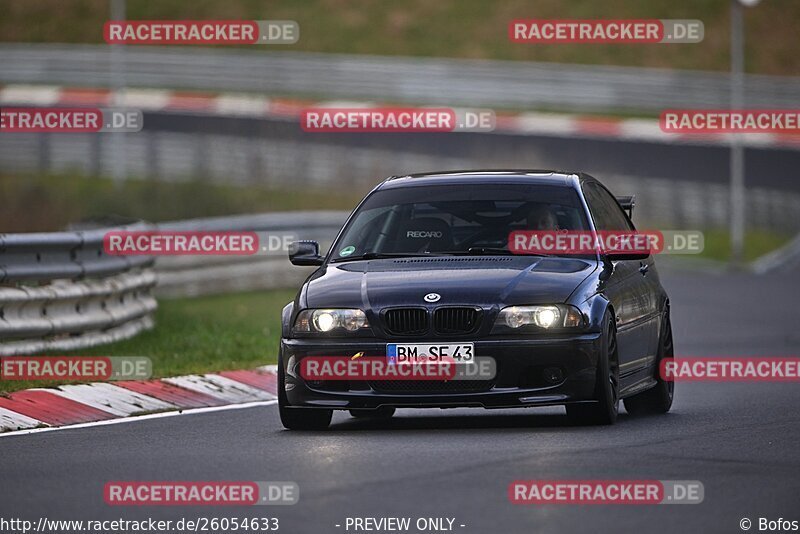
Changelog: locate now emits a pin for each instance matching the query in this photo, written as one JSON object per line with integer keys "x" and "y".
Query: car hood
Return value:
{"x": 484, "y": 281}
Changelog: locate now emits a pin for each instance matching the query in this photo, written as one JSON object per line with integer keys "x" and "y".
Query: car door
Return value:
{"x": 628, "y": 289}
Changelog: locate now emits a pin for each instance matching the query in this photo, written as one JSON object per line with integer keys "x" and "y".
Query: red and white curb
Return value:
{"x": 102, "y": 401}
{"x": 247, "y": 105}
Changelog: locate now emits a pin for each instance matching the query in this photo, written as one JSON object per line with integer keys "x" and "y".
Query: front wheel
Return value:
{"x": 657, "y": 399}
{"x": 299, "y": 418}
{"x": 606, "y": 406}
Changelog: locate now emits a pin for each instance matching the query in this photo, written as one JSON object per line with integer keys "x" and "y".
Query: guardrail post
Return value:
{"x": 43, "y": 149}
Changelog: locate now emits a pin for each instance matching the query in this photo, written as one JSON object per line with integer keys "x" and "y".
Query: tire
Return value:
{"x": 299, "y": 418}
{"x": 658, "y": 399}
{"x": 605, "y": 409}
{"x": 384, "y": 412}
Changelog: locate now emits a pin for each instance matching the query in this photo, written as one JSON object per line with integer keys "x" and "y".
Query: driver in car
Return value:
{"x": 542, "y": 217}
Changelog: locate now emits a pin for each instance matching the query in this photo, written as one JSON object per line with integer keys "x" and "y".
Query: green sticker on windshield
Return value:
{"x": 346, "y": 251}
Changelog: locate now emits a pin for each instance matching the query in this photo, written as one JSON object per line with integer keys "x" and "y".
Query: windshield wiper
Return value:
{"x": 381, "y": 255}
{"x": 481, "y": 251}
{"x": 490, "y": 251}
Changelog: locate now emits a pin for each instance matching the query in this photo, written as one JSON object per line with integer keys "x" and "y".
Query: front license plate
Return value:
{"x": 402, "y": 354}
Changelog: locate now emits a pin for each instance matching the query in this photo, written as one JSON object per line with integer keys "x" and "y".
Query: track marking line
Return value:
{"x": 12, "y": 419}
{"x": 220, "y": 387}
{"x": 183, "y": 398}
{"x": 146, "y": 417}
{"x": 119, "y": 401}
{"x": 242, "y": 104}
{"x": 51, "y": 408}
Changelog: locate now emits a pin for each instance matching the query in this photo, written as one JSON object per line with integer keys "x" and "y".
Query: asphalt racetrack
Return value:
{"x": 740, "y": 440}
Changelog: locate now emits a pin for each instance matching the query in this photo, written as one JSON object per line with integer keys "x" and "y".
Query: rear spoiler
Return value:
{"x": 627, "y": 204}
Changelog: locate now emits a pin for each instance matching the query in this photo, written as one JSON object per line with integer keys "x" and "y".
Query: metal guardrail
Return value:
{"x": 60, "y": 291}
{"x": 434, "y": 81}
{"x": 186, "y": 276}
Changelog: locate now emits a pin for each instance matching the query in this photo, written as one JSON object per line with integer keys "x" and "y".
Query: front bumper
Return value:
{"x": 521, "y": 379}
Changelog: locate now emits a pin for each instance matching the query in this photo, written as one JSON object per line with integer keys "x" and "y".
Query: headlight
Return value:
{"x": 550, "y": 316}
{"x": 328, "y": 320}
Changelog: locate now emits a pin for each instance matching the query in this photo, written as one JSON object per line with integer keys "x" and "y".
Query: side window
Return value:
{"x": 607, "y": 213}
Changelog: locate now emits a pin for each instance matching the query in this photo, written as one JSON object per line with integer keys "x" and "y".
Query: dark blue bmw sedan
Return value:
{"x": 424, "y": 266}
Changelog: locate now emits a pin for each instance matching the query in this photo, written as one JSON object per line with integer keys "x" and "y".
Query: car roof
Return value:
{"x": 489, "y": 176}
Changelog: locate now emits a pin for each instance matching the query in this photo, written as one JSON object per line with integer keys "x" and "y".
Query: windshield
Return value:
{"x": 455, "y": 219}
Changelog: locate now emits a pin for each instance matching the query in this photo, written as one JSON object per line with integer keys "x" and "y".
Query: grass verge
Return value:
{"x": 40, "y": 203}
{"x": 448, "y": 28}
{"x": 756, "y": 244}
{"x": 200, "y": 335}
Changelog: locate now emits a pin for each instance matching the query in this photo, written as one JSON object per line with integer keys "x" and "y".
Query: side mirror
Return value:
{"x": 305, "y": 253}
{"x": 627, "y": 204}
{"x": 622, "y": 256}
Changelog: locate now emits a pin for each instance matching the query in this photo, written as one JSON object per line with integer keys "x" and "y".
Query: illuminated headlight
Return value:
{"x": 323, "y": 321}
{"x": 552, "y": 316}
{"x": 329, "y": 320}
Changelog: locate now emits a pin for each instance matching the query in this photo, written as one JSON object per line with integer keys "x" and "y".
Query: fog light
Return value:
{"x": 553, "y": 375}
